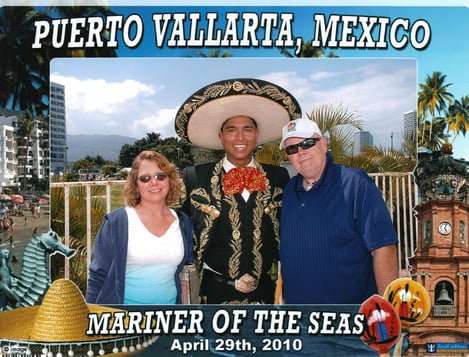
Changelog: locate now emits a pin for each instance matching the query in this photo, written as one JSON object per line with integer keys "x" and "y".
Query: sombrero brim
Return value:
{"x": 60, "y": 323}
{"x": 201, "y": 116}
{"x": 18, "y": 324}
{"x": 16, "y": 330}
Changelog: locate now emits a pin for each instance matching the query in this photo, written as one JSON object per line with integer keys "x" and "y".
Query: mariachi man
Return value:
{"x": 235, "y": 203}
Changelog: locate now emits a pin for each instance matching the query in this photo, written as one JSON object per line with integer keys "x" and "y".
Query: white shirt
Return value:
{"x": 228, "y": 166}
{"x": 152, "y": 262}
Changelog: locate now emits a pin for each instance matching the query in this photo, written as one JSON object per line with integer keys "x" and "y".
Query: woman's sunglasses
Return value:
{"x": 305, "y": 145}
{"x": 158, "y": 177}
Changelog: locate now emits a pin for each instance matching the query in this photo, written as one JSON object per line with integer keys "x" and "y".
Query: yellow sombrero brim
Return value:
{"x": 18, "y": 324}
{"x": 61, "y": 321}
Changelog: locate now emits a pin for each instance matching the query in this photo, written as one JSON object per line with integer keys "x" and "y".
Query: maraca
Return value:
{"x": 410, "y": 299}
{"x": 383, "y": 327}
{"x": 412, "y": 302}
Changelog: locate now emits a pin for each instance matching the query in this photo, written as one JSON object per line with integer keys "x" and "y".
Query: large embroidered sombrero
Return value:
{"x": 200, "y": 117}
{"x": 58, "y": 327}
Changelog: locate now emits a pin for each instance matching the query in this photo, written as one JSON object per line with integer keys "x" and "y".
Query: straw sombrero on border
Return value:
{"x": 58, "y": 327}
{"x": 200, "y": 117}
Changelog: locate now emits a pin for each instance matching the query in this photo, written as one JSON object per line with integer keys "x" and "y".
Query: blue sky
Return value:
{"x": 156, "y": 87}
{"x": 135, "y": 96}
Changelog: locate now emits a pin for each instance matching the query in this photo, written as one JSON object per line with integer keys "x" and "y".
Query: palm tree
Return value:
{"x": 24, "y": 72}
{"x": 339, "y": 125}
{"x": 409, "y": 145}
{"x": 434, "y": 98}
{"x": 380, "y": 159}
{"x": 214, "y": 54}
{"x": 307, "y": 50}
{"x": 458, "y": 117}
{"x": 431, "y": 132}
{"x": 78, "y": 12}
{"x": 334, "y": 121}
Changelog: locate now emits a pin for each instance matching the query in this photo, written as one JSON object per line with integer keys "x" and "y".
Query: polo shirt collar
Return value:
{"x": 326, "y": 176}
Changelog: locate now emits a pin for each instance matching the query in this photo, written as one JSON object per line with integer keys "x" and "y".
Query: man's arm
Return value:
{"x": 385, "y": 266}
{"x": 189, "y": 183}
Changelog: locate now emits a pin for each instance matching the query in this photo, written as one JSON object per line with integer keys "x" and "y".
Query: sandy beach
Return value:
{"x": 22, "y": 233}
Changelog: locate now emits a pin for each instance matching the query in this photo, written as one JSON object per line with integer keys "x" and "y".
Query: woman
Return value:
{"x": 141, "y": 248}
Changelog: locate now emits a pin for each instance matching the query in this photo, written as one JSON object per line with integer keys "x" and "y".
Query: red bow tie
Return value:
{"x": 238, "y": 179}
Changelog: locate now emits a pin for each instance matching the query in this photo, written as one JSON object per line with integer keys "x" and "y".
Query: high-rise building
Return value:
{"x": 360, "y": 140}
{"x": 7, "y": 152}
{"x": 31, "y": 154}
{"x": 23, "y": 159}
{"x": 410, "y": 124}
{"x": 58, "y": 132}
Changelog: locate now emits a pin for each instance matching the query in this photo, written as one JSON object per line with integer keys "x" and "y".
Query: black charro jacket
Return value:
{"x": 234, "y": 237}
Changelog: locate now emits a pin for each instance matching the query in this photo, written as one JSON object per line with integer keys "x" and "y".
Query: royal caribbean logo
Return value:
{"x": 447, "y": 347}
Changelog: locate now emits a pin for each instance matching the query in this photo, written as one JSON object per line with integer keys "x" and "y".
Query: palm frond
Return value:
{"x": 338, "y": 124}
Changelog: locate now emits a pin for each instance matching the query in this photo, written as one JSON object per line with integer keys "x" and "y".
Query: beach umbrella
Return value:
{"x": 17, "y": 198}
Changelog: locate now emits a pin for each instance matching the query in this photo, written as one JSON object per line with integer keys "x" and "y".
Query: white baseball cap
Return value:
{"x": 299, "y": 128}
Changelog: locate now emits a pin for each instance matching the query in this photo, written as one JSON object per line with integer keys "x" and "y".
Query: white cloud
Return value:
{"x": 160, "y": 122}
{"x": 377, "y": 92}
{"x": 99, "y": 96}
{"x": 293, "y": 82}
{"x": 323, "y": 75}
{"x": 378, "y": 97}
{"x": 96, "y": 105}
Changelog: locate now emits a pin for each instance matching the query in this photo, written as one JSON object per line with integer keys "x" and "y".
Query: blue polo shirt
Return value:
{"x": 327, "y": 234}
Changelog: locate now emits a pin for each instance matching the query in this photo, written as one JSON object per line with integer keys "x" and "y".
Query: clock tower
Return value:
{"x": 441, "y": 260}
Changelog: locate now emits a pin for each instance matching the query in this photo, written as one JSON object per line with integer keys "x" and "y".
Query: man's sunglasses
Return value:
{"x": 305, "y": 145}
{"x": 159, "y": 177}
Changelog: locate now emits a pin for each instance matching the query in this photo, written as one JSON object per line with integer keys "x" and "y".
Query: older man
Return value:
{"x": 338, "y": 243}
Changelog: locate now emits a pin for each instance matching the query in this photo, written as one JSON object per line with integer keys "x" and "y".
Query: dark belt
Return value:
{"x": 219, "y": 278}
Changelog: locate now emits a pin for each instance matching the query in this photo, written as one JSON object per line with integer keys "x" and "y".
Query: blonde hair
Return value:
{"x": 131, "y": 192}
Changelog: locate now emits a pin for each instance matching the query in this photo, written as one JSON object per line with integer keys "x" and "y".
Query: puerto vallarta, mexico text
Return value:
{"x": 234, "y": 30}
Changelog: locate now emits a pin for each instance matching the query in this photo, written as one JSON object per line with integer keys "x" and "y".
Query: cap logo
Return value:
{"x": 291, "y": 126}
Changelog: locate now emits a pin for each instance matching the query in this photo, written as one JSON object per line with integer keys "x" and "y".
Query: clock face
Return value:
{"x": 444, "y": 228}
